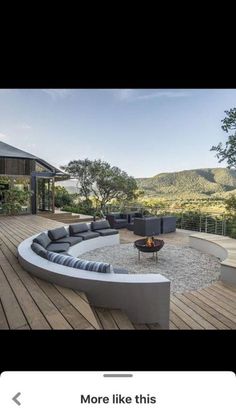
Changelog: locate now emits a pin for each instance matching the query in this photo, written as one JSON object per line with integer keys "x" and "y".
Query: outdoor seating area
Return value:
{"x": 142, "y": 225}
{"x": 105, "y": 285}
{"x": 59, "y": 240}
{"x": 28, "y": 302}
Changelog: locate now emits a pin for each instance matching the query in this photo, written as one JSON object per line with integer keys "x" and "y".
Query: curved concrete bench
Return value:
{"x": 220, "y": 246}
{"x": 144, "y": 297}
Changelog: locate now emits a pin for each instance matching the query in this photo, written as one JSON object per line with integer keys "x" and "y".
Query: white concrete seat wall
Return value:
{"x": 144, "y": 297}
{"x": 220, "y": 246}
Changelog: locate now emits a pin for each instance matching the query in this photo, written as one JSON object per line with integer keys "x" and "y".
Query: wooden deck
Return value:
{"x": 27, "y": 302}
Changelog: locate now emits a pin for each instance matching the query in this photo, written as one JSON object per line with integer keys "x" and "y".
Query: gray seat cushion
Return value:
{"x": 77, "y": 228}
{"x": 38, "y": 249}
{"x": 109, "y": 231}
{"x": 42, "y": 239}
{"x": 120, "y": 270}
{"x": 58, "y": 247}
{"x": 69, "y": 240}
{"x": 96, "y": 225}
{"x": 87, "y": 235}
{"x": 57, "y": 233}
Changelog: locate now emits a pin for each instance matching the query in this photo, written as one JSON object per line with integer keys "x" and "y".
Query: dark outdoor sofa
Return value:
{"x": 103, "y": 228}
{"x": 168, "y": 224}
{"x": 117, "y": 220}
{"x": 147, "y": 226}
{"x": 131, "y": 218}
{"x": 58, "y": 240}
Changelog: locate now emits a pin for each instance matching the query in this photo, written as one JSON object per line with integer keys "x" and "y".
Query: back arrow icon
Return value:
{"x": 15, "y": 398}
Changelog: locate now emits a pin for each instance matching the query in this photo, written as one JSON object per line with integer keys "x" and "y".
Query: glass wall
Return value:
{"x": 44, "y": 187}
{"x": 39, "y": 168}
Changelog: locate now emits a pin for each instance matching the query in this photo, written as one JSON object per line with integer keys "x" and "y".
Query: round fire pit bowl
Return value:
{"x": 141, "y": 245}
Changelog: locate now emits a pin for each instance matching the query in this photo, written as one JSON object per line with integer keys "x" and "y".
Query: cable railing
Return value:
{"x": 202, "y": 223}
{"x": 211, "y": 223}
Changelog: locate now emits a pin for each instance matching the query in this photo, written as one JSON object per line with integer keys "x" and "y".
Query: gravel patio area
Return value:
{"x": 186, "y": 268}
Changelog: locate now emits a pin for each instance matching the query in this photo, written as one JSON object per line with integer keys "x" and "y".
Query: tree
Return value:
{"x": 81, "y": 170}
{"x": 230, "y": 205}
{"x": 62, "y": 197}
{"x": 228, "y": 151}
{"x": 100, "y": 180}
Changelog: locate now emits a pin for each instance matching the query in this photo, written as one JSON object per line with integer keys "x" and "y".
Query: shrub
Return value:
{"x": 62, "y": 197}
{"x": 80, "y": 208}
{"x": 14, "y": 200}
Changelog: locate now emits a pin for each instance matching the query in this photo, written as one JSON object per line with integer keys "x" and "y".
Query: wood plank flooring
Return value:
{"x": 27, "y": 302}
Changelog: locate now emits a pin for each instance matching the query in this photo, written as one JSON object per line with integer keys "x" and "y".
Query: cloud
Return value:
{"x": 170, "y": 94}
{"x": 56, "y": 94}
{"x": 132, "y": 95}
{"x": 124, "y": 94}
{"x": 24, "y": 126}
{"x": 3, "y": 136}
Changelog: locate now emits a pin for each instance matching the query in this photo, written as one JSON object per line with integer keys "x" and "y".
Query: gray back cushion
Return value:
{"x": 77, "y": 263}
{"x": 42, "y": 239}
{"x": 100, "y": 225}
{"x": 57, "y": 233}
{"x": 77, "y": 228}
{"x": 38, "y": 249}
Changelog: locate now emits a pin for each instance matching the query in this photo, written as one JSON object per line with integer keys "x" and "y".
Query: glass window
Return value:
{"x": 41, "y": 169}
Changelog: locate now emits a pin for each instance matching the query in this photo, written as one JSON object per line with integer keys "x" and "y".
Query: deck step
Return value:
{"x": 51, "y": 215}
{"x": 73, "y": 219}
{"x": 65, "y": 217}
{"x": 113, "y": 319}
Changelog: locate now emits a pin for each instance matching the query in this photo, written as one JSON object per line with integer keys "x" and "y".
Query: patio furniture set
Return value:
{"x": 142, "y": 225}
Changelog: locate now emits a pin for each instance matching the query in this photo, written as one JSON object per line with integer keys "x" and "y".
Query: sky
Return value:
{"x": 143, "y": 131}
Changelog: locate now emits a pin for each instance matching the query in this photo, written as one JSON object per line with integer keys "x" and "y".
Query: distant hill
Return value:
{"x": 199, "y": 183}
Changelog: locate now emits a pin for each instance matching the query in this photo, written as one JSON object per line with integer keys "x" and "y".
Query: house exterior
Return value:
{"x": 24, "y": 171}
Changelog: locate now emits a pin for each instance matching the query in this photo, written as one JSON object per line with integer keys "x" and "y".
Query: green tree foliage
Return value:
{"x": 62, "y": 197}
{"x": 99, "y": 180}
{"x": 230, "y": 205}
{"x": 82, "y": 171}
{"x": 228, "y": 151}
{"x": 14, "y": 200}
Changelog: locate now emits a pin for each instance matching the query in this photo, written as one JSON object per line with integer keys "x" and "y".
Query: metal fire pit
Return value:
{"x": 140, "y": 244}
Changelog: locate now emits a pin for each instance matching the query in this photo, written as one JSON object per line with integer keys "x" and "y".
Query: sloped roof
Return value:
{"x": 9, "y": 151}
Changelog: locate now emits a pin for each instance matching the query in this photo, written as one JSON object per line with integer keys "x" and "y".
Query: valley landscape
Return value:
{"x": 202, "y": 189}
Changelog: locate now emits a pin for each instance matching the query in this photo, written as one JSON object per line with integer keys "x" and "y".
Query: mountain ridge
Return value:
{"x": 195, "y": 183}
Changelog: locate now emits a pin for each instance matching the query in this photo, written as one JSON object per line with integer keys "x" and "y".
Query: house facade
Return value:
{"x": 26, "y": 172}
